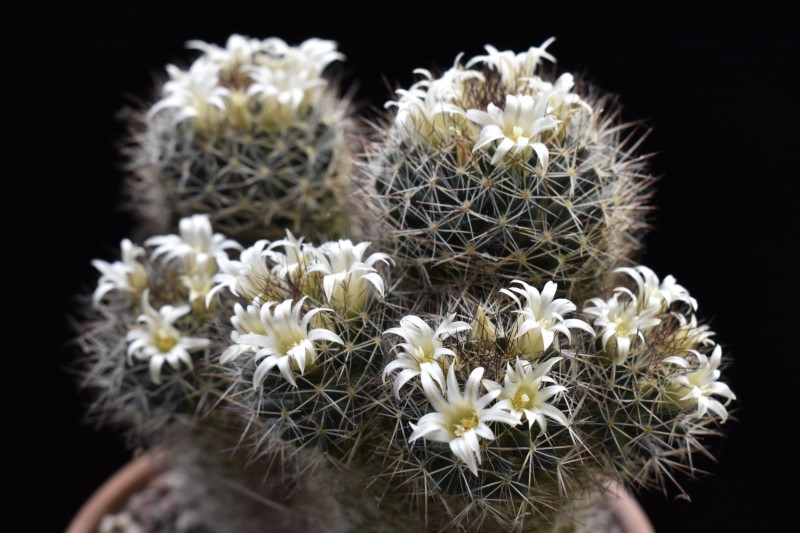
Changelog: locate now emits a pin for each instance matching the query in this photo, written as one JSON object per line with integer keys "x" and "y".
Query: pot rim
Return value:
{"x": 114, "y": 493}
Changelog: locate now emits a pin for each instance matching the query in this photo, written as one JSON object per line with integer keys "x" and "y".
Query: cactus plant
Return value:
{"x": 493, "y": 374}
{"x": 496, "y": 170}
{"x": 252, "y": 135}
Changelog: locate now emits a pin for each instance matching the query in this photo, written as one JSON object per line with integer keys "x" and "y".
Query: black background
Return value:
{"x": 715, "y": 86}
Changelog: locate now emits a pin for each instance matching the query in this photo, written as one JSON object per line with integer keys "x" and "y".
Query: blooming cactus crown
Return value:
{"x": 493, "y": 348}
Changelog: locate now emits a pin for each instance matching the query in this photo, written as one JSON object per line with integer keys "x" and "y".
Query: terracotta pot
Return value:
{"x": 627, "y": 511}
{"x": 114, "y": 494}
{"x": 116, "y": 491}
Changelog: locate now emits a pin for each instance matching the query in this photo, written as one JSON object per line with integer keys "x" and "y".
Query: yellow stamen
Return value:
{"x": 422, "y": 356}
{"x": 165, "y": 341}
{"x": 520, "y": 401}
{"x": 465, "y": 424}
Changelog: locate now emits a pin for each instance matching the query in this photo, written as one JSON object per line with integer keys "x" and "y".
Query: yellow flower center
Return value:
{"x": 520, "y": 401}
{"x": 165, "y": 341}
{"x": 422, "y": 356}
{"x": 516, "y": 133}
{"x": 465, "y": 424}
{"x": 621, "y": 329}
{"x": 290, "y": 345}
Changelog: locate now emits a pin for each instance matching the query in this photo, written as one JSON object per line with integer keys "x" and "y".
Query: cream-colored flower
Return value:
{"x": 431, "y": 111}
{"x": 523, "y": 392}
{"x": 461, "y": 419}
{"x": 540, "y": 318}
{"x": 196, "y": 239}
{"x": 283, "y": 340}
{"x": 482, "y": 329}
{"x": 246, "y": 277}
{"x": 622, "y": 321}
{"x": 454, "y": 85}
{"x": 656, "y": 294}
{"x": 194, "y": 94}
{"x": 159, "y": 341}
{"x": 198, "y": 278}
{"x": 348, "y": 278}
{"x": 561, "y": 102}
{"x": 423, "y": 117}
{"x": 697, "y": 383}
{"x": 514, "y": 67}
{"x": 309, "y": 59}
{"x": 248, "y": 77}
{"x": 287, "y": 80}
{"x": 518, "y": 127}
{"x": 689, "y": 335}
{"x": 423, "y": 353}
{"x": 245, "y": 320}
{"x": 127, "y": 275}
{"x": 292, "y": 265}
{"x": 239, "y": 50}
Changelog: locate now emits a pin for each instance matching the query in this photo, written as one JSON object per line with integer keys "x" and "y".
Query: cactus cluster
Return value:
{"x": 489, "y": 362}
{"x": 495, "y": 170}
{"x": 252, "y": 135}
{"x": 150, "y": 340}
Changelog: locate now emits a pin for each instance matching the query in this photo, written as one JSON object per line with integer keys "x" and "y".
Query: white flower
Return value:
{"x": 317, "y": 54}
{"x": 689, "y": 335}
{"x": 561, "y": 103}
{"x": 293, "y": 263}
{"x": 453, "y": 85}
{"x": 698, "y": 383}
{"x": 239, "y": 50}
{"x": 540, "y": 318}
{"x": 196, "y": 239}
{"x": 287, "y": 80}
{"x": 522, "y": 392}
{"x": 159, "y": 341}
{"x": 281, "y": 94}
{"x": 424, "y": 117}
{"x": 461, "y": 419}
{"x": 199, "y": 278}
{"x": 518, "y": 127}
{"x": 511, "y": 66}
{"x": 246, "y": 77}
{"x": 482, "y": 329}
{"x": 423, "y": 352}
{"x": 246, "y": 277}
{"x": 622, "y": 320}
{"x": 432, "y": 110}
{"x": 308, "y": 60}
{"x": 282, "y": 340}
{"x": 671, "y": 291}
{"x": 127, "y": 275}
{"x": 194, "y": 94}
{"x": 348, "y": 278}
{"x": 654, "y": 293}
{"x": 244, "y": 320}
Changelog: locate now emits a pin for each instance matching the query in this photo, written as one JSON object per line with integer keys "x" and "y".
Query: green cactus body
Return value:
{"x": 252, "y": 185}
{"x": 648, "y": 411}
{"x": 549, "y": 466}
{"x": 126, "y": 394}
{"x": 328, "y": 409}
{"x": 465, "y": 220}
{"x": 251, "y": 136}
